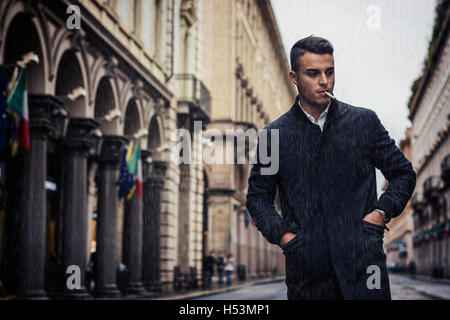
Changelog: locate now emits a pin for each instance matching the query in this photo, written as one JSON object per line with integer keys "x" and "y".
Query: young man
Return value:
{"x": 332, "y": 225}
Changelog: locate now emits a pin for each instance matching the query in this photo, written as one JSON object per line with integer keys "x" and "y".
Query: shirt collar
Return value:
{"x": 310, "y": 117}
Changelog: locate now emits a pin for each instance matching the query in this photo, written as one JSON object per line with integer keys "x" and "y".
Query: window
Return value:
{"x": 147, "y": 25}
{"x": 128, "y": 13}
{"x": 152, "y": 22}
{"x": 158, "y": 27}
{"x": 123, "y": 11}
{"x": 136, "y": 18}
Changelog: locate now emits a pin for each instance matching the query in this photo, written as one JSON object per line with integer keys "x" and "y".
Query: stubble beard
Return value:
{"x": 312, "y": 104}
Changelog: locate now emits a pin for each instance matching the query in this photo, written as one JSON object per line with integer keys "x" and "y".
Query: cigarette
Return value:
{"x": 330, "y": 95}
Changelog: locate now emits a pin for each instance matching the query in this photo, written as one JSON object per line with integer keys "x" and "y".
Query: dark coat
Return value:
{"x": 209, "y": 263}
{"x": 326, "y": 183}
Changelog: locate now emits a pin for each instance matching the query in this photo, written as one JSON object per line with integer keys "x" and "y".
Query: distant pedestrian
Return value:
{"x": 2, "y": 291}
{"x": 220, "y": 262}
{"x": 412, "y": 269}
{"x": 51, "y": 285}
{"x": 210, "y": 261}
{"x": 208, "y": 268}
{"x": 229, "y": 267}
{"x": 91, "y": 272}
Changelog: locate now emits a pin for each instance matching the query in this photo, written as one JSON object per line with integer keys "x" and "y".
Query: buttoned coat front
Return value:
{"x": 326, "y": 184}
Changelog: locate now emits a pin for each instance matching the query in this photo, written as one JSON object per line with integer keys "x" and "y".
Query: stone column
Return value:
{"x": 32, "y": 199}
{"x": 146, "y": 221}
{"x": 266, "y": 257}
{"x": 240, "y": 224}
{"x": 132, "y": 245}
{"x": 184, "y": 218}
{"x": 153, "y": 187}
{"x": 76, "y": 147}
{"x": 251, "y": 254}
{"x": 106, "y": 255}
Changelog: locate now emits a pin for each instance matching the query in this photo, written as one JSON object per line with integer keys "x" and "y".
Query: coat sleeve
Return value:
{"x": 397, "y": 170}
{"x": 261, "y": 194}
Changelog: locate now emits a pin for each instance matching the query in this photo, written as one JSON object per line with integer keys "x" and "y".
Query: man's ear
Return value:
{"x": 293, "y": 77}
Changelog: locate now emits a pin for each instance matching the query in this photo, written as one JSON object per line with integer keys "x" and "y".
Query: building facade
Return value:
{"x": 249, "y": 87}
{"x": 121, "y": 65}
{"x": 430, "y": 143}
{"x": 132, "y": 71}
{"x": 398, "y": 242}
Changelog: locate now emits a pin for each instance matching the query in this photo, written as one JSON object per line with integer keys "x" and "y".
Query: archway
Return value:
{"x": 132, "y": 123}
{"x": 22, "y": 37}
{"x": 104, "y": 105}
{"x": 69, "y": 80}
{"x": 154, "y": 136}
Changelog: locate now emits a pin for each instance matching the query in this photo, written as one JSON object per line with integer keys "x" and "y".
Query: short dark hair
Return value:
{"x": 311, "y": 44}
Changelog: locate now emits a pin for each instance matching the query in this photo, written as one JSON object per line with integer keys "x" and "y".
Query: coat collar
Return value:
{"x": 301, "y": 116}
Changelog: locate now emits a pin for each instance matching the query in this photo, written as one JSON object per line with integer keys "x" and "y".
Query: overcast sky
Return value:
{"x": 379, "y": 49}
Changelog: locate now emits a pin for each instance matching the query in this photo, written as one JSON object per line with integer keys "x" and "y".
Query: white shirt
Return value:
{"x": 323, "y": 116}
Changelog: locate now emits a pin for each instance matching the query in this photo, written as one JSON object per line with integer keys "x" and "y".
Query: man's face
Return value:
{"x": 316, "y": 75}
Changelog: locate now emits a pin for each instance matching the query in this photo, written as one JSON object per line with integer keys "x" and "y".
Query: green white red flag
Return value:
{"x": 135, "y": 169}
{"x": 18, "y": 103}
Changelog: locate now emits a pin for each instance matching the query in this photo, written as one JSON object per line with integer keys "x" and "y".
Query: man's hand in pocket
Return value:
{"x": 288, "y": 236}
{"x": 375, "y": 218}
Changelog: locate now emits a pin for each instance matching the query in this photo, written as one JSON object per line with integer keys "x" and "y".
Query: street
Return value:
{"x": 269, "y": 291}
{"x": 402, "y": 288}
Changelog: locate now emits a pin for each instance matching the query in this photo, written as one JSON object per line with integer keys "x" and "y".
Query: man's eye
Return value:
{"x": 312, "y": 74}
{"x": 329, "y": 73}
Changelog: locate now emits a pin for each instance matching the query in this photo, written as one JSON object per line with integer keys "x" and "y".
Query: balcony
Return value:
{"x": 432, "y": 187}
{"x": 445, "y": 168}
{"x": 194, "y": 98}
{"x": 418, "y": 203}
{"x": 419, "y": 206}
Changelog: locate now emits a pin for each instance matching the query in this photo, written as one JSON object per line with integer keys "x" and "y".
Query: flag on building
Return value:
{"x": 123, "y": 180}
{"x": 139, "y": 187}
{"x": 15, "y": 129}
{"x": 447, "y": 227}
{"x": 133, "y": 169}
{"x": 133, "y": 163}
{"x": 18, "y": 103}
{"x": 130, "y": 177}
{"x": 130, "y": 152}
{"x": 3, "y": 109}
{"x": 248, "y": 218}
{"x": 127, "y": 179}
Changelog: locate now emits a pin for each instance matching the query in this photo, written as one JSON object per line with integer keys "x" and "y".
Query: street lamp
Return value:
{"x": 149, "y": 159}
{"x": 60, "y": 117}
{"x": 60, "y": 120}
{"x": 445, "y": 168}
{"x": 418, "y": 204}
{"x": 432, "y": 187}
{"x": 97, "y": 140}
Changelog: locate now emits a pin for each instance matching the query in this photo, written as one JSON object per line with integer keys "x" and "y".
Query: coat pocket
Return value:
{"x": 291, "y": 246}
{"x": 301, "y": 262}
{"x": 373, "y": 229}
{"x": 369, "y": 250}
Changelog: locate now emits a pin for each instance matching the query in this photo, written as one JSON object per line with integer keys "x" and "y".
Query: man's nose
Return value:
{"x": 323, "y": 81}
